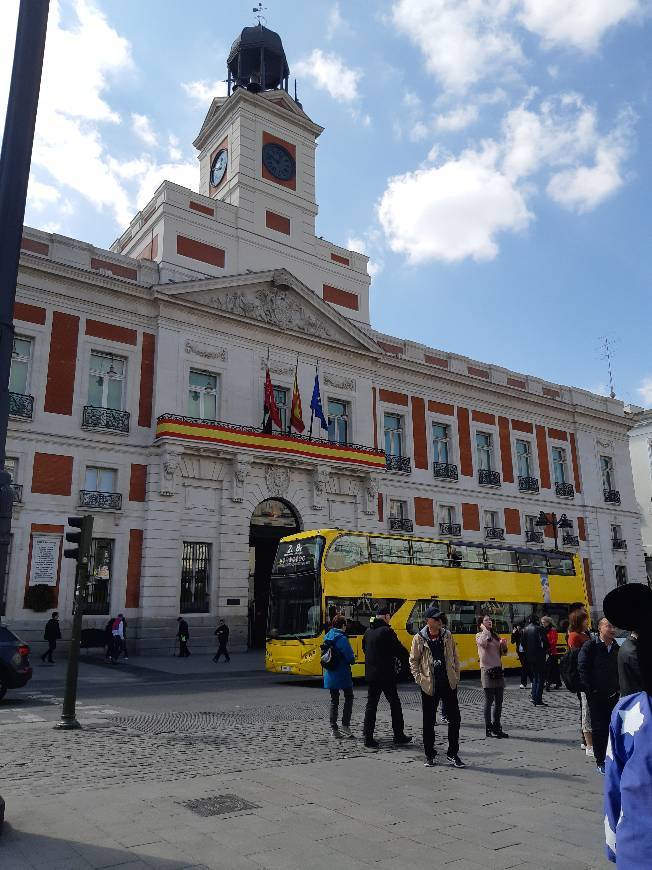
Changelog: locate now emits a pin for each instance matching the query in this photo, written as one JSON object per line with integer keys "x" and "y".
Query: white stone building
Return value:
{"x": 640, "y": 448}
{"x": 126, "y": 358}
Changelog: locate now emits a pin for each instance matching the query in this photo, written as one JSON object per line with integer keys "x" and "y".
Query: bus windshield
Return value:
{"x": 295, "y": 595}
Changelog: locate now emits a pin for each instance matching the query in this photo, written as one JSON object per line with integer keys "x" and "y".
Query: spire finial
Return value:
{"x": 258, "y": 13}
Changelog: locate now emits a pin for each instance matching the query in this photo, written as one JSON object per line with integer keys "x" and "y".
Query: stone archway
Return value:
{"x": 273, "y": 519}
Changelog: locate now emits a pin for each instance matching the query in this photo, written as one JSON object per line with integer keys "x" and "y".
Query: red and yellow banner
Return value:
{"x": 218, "y": 433}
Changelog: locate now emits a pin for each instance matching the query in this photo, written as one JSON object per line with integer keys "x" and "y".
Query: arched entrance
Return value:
{"x": 271, "y": 521}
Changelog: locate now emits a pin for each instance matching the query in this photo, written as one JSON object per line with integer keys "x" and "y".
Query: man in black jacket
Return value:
{"x": 597, "y": 664}
{"x": 184, "y": 636}
{"x": 381, "y": 648}
{"x": 52, "y": 634}
{"x": 222, "y": 632}
{"x": 535, "y": 644}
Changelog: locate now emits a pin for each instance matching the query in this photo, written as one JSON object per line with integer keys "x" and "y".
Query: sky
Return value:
{"x": 490, "y": 156}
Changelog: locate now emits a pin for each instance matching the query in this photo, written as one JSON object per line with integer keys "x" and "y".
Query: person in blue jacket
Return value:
{"x": 628, "y": 772}
{"x": 340, "y": 677}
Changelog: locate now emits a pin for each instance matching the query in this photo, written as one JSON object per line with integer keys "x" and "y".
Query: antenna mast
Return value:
{"x": 607, "y": 354}
{"x": 258, "y": 13}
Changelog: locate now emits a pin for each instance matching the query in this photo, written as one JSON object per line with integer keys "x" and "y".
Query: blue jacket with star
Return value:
{"x": 628, "y": 784}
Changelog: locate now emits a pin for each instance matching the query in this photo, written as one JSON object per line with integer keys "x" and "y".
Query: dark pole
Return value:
{"x": 15, "y": 161}
{"x": 553, "y": 523}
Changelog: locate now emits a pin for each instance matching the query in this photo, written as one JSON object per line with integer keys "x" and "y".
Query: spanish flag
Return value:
{"x": 296, "y": 416}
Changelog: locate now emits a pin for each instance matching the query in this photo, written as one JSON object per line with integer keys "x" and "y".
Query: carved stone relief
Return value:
{"x": 370, "y": 492}
{"x": 170, "y": 469}
{"x": 277, "y": 479}
{"x": 276, "y": 368}
{"x": 320, "y": 480}
{"x": 340, "y": 383}
{"x": 218, "y": 353}
{"x": 241, "y": 467}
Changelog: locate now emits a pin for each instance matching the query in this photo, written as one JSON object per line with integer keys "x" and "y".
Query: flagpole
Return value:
{"x": 312, "y": 410}
{"x": 296, "y": 375}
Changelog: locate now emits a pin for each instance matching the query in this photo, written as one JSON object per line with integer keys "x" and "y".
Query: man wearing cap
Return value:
{"x": 435, "y": 666}
{"x": 381, "y": 648}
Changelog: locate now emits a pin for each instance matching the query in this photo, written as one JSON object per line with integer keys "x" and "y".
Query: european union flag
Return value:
{"x": 315, "y": 404}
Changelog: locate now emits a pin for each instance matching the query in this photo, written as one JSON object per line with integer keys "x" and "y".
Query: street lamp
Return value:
{"x": 543, "y": 521}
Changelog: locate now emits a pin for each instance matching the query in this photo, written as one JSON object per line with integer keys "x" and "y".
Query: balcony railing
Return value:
{"x": 492, "y": 534}
{"x": 105, "y": 418}
{"x": 528, "y": 484}
{"x": 570, "y": 541}
{"x": 21, "y": 405}
{"x": 565, "y": 490}
{"x": 17, "y": 489}
{"x": 235, "y": 437}
{"x": 488, "y": 478}
{"x": 454, "y": 529}
{"x": 398, "y": 463}
{"x": 532, "y": 536}
{"x": 444, "y": 470}
{"x": 612, "y": 496}
{"x": 109, "y": 501}
{"x": 397, "y": 524}
{"x": 618, "y": 544}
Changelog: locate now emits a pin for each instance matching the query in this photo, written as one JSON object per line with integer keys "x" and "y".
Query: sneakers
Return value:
{"x": 503, "y": 735}
{"x": 455, "y": 760}
{"x": 489, "y": 732}
{"x": 600, "y": 769}
{"x": 589, "y": 752}
{"x": 522, "y": 686}
{"x": 336, "y": 733}
{"x": 583, "y": 747}
{"x": 430, "y": 760}
{"x": 345, "y": 730}
{"x": 370, "y": 743}
{"x": 402, "y": 739}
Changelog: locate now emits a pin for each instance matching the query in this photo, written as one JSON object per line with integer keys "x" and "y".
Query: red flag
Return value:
{"x": 296, "y": 416}
{"x": 271, "y": 414}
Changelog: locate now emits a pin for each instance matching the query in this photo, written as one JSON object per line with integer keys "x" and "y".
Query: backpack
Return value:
{"x": 330, "y": 657}
{"x": 569, "y": 671}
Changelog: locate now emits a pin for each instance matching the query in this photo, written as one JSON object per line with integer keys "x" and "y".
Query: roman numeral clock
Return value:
{"x": 278, "y": 161}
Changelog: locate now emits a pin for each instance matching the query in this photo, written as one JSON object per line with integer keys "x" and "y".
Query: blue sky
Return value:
{"x": 491, "y": 156}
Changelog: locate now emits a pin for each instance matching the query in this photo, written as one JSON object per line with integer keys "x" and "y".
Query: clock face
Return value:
{"x": 278, "y": 161}
{"x": 219, "y": 167}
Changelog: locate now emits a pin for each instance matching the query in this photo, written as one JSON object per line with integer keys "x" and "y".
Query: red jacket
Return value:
{"x": 552, "y": 635}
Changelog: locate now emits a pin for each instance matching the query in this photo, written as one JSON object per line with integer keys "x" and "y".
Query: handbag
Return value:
{"x": 495, "y": 673}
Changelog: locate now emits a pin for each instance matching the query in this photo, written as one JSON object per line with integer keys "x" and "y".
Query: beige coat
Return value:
{"x": 421, "y": 661}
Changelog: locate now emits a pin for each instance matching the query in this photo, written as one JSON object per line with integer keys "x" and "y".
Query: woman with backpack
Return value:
{"x": 490, "y": 649}
{"x": 337, "y": 658}
{"x": 578, "y": 634}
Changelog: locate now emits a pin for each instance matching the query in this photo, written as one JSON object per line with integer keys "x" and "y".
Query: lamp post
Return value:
{"x": 543, "y": 521}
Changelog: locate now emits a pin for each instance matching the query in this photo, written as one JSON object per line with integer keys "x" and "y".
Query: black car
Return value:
{"x": 15, "y": 669}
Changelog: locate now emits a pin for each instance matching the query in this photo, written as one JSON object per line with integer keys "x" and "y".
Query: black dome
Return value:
{"x": 257, "y": 57}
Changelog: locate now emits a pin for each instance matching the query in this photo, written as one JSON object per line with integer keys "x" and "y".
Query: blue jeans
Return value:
{"x": 537, "y": 684}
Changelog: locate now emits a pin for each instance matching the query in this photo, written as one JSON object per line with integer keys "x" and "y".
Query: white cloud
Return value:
{"x": 456, "y": 119}
{"x": 40, "y": 195}
{"x": 452, "y": 211}
{"x": 203, "y": 92}
{"x": 142, "y": 127}
{"x": 337, "y": 25}
{"x": 578, "y": 23}
{"x": 370, "y": 247}
{"x": 174, "y": 152}
{"x": 328, "y": 72}
{"x": 185, "y": 174}
{"x": 645, "y": 390}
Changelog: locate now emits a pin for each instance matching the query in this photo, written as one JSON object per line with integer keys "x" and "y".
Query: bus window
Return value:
{"x": 294, "y": 609}
{"x": 358, "y": 611}
{"x": 347, "y": 551}
{"x": 531, "y": 562}
{"x": 501, "y": 560}
{"x": 467, "y": 557}
{"x": 520, "y": 613}
{"x": 500, "y": 613}
{"x": 461, "y": 616}
{"x": 417, "y": 619}
{"x": 295, "y": 557}
{"x": 394, "y": 550}
{"x": 558, "y": 613}
{"x": 429, "y": 553}
{"x": 560, "y": 565}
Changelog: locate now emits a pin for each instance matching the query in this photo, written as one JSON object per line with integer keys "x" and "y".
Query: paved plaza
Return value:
{"x": 182, "y": 764}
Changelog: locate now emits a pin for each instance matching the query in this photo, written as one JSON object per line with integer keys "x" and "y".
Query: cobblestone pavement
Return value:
{"x": 289, "y": 796}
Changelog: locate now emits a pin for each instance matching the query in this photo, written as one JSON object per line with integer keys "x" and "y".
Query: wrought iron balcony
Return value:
{"x": 565, "y": 490}
{"x": 570, "y": 541}
{"x": 454, "y": 529}
{"x": 111, "y": 501}
{"x": 488, "y": 478}
{"x": 612, "y": 496}
{"x": 533, "y": 536}
{"x": 444, "y": 470}
{"x": 397, "y": 524}
{"x": 21, "y": 405}
{"x": 528, "y": 484}
{"x": 105, "y": 418}
{"x": 398, "y": 463}
{"x": 492, "y": 534}
{"x": 618, "y": 544}
{"x": 18, "y": 492}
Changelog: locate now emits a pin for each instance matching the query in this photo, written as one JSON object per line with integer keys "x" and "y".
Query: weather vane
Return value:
{"x": 258, "y": 12}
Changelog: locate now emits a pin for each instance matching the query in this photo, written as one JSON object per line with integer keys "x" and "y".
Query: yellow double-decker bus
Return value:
{"x": 320, "y": 573}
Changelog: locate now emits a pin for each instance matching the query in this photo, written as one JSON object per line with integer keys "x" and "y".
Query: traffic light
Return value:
{"x": 81, "y": 538}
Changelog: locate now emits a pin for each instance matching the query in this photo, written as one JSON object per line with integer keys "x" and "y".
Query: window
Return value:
{"x": 501, "y": 560}
{"x": 106, "y": 379}
{"x": 440, "y": 442}
{"x": 98, "y": 595}
{"x": 281, "y": 395}
{"x": 467, "y": 557}
{"x": 491, "y": 520}
{"x": 358, "y": 611}
{"x": 531, "y": 524}
{"x": 447, "y": 515}
{"x": 616, "y": 532}
{"x": 202, "y": 395}
{"x": 11, "y": 465}
{"x": 559, "y": 464}
{"x": 607, "y": 468}
{"x": 484, "y": 451}
{"x": 398, "y": 509}
{"x": 100, "y": 480}
{"x": 394, "y": 550}
{"x": 524, "y": 458}
{"x": 347, "y": 551}
{"x": 195, "y": 577}
{"x": 621, "y": 575}
{"x": 338, "y": 421}
{"x": 429, "y": 553}
{"x": 20, "y": 365}
{"x": 393, "y": 434}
